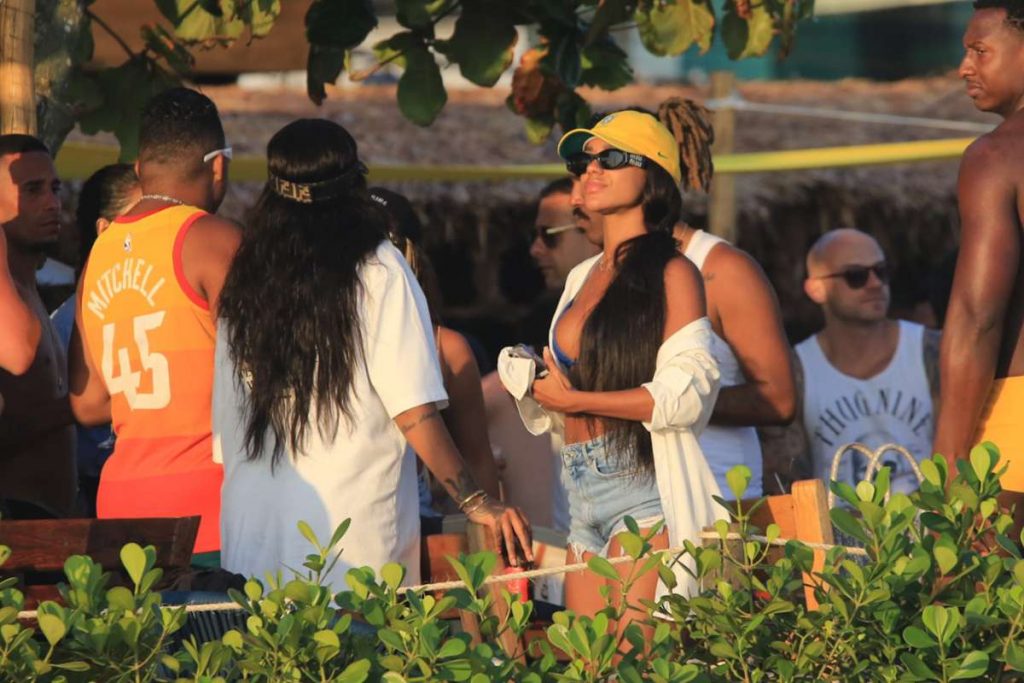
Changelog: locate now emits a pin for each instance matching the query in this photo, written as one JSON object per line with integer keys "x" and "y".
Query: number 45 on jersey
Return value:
{"x": 127, "y": 380}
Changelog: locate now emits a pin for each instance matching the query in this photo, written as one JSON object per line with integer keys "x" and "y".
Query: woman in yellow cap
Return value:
{"x": 630, "y": 373}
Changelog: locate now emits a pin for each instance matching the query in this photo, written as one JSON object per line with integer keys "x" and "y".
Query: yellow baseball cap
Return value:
{"x": 630, "y": 131}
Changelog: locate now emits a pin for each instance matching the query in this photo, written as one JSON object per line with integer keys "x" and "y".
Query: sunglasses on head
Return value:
{"x": 551, "y": 236}
{"x": 608, "y": 159}
{"x": 857, "y": 276}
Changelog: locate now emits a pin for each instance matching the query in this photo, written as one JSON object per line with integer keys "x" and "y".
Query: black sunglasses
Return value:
{"x": 857, "y": 276}
{"x": 552, "y": 236}
{"x": 608, "y": 159}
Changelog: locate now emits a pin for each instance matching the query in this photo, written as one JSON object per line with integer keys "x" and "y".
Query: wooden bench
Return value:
{"x": 39, "y": 548}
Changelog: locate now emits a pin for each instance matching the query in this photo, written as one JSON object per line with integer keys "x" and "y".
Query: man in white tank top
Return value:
{"x": 864, "y": 378}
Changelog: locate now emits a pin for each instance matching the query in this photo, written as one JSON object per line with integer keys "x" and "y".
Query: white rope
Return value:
{"x": 532, "y": 574}
{"x": 736, "y": 102}
{"x": 874, "y": 463}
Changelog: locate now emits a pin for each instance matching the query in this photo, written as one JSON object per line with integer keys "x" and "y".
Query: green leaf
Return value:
{"x": 608, "y": 14}
{"x": 483, "y": 43}
{"x": 1015, "y": 656}
{"x": 738, "y": 477}
{"x": 669, "y": 28}
{"x": 133, "y": 557}
{"x": 421, "y": 93}
{"x": 848, "y": 524}
{"x": 259, "y": 15}
{"x": 931, "y": 472}
{"x": 975, "y": 664}
{"x": 454, "y": 647}
{"x": 747, "y": 37}
{"x": 5, "y": 554}
{"x": 946, "y": 553}
{"x": 323, "y": 66}
{"x": 631, "y": 544}
{"x": 342, "y": 24}
{"x": 414, "y": 14}
{"x": 603, "y": 568}
{"x": 392, "y": 573}
{"x": 918, "y": 668}
{"x": 356, "y": 672}
{"x": 53, "y": 628}
{"x": 981, "y": 462}
{"x": 204, "y": 21}
{"x": 917, "y": 638}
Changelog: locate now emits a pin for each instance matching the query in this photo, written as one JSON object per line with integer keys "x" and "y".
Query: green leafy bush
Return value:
{"x": 928, "y": 601}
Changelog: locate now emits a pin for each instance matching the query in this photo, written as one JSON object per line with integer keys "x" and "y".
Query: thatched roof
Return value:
{"x": 910, "y": 207}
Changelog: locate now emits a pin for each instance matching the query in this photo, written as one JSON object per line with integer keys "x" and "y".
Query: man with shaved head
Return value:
{"x": 983, "y": 349}
{"x": 863, "y": 378}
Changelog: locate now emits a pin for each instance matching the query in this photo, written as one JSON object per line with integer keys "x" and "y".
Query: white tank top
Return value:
{"x": 726, "y": 447}
{"x": 894, "y": 406}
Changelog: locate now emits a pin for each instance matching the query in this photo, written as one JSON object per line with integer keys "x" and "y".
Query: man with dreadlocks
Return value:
{"x": 748, "y": 343}
{"x": 982, "y": 360}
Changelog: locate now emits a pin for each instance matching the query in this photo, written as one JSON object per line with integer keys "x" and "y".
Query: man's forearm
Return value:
{"x": 968, "y": 369}
{"x": 747, "y": 405}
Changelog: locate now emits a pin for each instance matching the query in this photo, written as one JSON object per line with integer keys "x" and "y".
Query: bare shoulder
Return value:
{"x": 731, "y": 262}
{"x": 994, "y": 154}
{"x": 680, "y": 272}
{"x": 455, "y": 349}
{"x": 215, "y": 230}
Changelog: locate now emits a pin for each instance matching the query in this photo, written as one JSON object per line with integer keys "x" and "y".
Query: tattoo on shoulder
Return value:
{"x": 408, "y": 426}
{"x": 708, "y": 277}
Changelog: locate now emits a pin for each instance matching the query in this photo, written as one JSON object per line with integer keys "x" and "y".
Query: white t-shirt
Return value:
{"x": 366, "y": 472}
{"x": 726, "y": 447}
{"x": 894, "y": 406}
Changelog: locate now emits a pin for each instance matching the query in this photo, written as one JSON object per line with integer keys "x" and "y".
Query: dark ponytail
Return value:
{"x": 620, "y": 340}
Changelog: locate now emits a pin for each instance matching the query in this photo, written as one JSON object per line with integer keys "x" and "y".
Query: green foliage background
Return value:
{"x": 572, "y": 47}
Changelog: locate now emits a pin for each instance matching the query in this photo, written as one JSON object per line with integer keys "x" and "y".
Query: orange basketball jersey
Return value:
{"x": 151, "y": 337}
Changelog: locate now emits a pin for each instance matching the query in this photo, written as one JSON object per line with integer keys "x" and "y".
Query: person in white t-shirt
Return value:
{"x": 864, "y": 378}
{"x": 326, "y": 371}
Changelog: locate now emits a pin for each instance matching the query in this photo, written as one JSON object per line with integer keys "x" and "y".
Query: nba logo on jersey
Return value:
{"x": 127, "y": 243}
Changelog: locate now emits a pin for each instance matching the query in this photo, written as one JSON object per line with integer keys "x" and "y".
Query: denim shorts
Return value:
{"x": 601, "y": 492}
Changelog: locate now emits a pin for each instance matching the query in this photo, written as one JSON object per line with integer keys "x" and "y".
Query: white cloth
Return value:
{"x": 366, "y": 472}
{"x": 684, "y": 387}
{"x": 894, "y": 406}
{"x": 726, "y": 447}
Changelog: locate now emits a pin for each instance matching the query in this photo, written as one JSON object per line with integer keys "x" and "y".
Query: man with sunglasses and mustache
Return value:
{"x": 559, "y": 244}
{"x": 983, "y": 347}
{"x": 864, "y": 378}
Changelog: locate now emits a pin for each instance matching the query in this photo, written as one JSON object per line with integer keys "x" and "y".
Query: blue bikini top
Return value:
{"x": 560, "y": 355}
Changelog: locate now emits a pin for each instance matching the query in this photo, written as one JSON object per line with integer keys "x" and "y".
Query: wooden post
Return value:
{"x": 813, "y": 524}
{"x": 722, "y": 207}
{"x": 17, "y": 92}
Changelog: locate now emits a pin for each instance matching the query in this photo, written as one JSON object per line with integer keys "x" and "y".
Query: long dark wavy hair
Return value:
{"x": 291, "y": 298}
{"x": 621, "y": 337}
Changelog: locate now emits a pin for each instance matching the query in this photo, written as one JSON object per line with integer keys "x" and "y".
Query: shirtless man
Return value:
{"x": 982, "y": 360}
{"x": 21, "y": 329}
{"x": 36, "y": 435}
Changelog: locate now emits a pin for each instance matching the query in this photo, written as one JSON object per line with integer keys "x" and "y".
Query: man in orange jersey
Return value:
{"x": 37, "y": 446}
{"x": 142, "y": 355}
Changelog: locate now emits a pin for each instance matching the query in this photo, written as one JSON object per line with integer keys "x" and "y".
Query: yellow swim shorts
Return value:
{"x": 1002, "y": 423}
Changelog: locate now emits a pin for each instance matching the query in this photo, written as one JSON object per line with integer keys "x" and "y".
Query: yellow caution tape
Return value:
{"x": 78, "y": 160}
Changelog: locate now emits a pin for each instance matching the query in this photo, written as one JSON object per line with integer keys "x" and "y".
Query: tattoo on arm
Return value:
{"x": 461, "y": 486}
{"x": 413, "y": 424}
